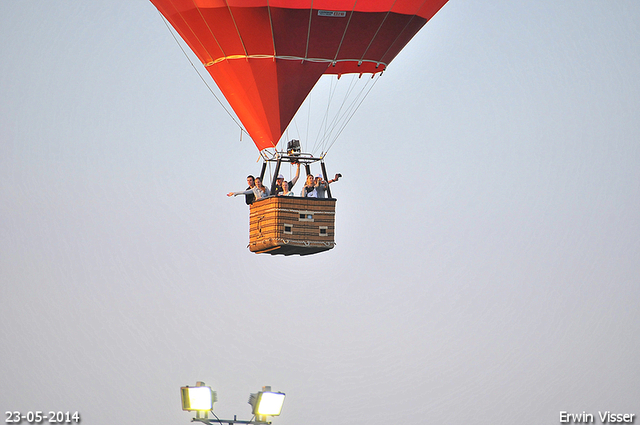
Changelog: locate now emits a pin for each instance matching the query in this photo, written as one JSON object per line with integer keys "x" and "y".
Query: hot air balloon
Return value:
{"x": 266, "y": 56}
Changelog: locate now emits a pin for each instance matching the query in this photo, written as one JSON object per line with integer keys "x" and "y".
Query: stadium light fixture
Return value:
{"x": 199, "y": 398}
{"x": 266, "y": 403}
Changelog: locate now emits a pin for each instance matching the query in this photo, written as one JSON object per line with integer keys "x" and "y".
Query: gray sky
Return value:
{"x": 488, "y": 235}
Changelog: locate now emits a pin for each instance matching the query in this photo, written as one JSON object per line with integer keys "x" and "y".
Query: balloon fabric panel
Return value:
{"x": 266, "y": 56}
{"x": 265, "y": 93}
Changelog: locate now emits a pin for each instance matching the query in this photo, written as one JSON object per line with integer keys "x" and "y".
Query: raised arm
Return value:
{"x": 335, "y": 179}
{"x": 295, "y": 179}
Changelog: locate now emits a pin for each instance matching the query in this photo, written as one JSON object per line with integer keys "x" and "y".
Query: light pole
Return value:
{"x": 200, "y": 399}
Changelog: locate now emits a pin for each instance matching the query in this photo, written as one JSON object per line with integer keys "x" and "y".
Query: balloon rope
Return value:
{"x": 327, "y": 127}
{"x": 339, "y": 115}
{"x": 322, "y": 130}
{"x": 273, "y": 37}
{"x": 306, "y": 50}
{"x": 308, "y": 119}
{"x": 377, "y": 31}
{"x": 233, "y": 19}
{"x": 344, "y": 124}
{"x": 345, "y": 31}
{"x": 199, "y": 75}
{"x": 404, "y": 28}
{"x": 208, "y": 27}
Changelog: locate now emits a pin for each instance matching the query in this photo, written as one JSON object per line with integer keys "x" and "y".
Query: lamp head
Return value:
{"x": 199, "y": 398}
{"x": 266, "y": 402}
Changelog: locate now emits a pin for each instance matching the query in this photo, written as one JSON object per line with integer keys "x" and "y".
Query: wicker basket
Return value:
{"x": 287, "y": 225}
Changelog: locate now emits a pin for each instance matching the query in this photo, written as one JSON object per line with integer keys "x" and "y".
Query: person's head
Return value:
{"x": 258, "y": 181}
{"x": 280, "y": 179}
{"x": 251, "y": 180}
{"x": 285, "y": 186}
{"x": 310, "y": 179}
{"x": 318, "y": 178}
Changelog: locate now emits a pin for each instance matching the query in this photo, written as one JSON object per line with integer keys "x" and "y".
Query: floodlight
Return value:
{"x": 267, "y": 402}
{"x": 198, "y": 398}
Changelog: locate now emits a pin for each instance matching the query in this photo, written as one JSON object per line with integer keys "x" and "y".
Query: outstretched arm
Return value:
{"x": 246, "y": 192}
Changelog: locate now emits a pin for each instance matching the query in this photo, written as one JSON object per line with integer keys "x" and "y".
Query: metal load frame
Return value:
{"x": 293, "y": 158}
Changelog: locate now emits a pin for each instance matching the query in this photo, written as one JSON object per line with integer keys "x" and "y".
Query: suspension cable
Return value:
{"x": 201, "y": 77}
{"x": 322, "y": 130}
{"x": 344, "y": 125}
{"x": 337, "y": 117}
{"x": 328, "y": 133}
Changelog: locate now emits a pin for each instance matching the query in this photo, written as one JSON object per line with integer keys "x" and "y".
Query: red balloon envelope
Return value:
{"x": 266, "y": 55}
